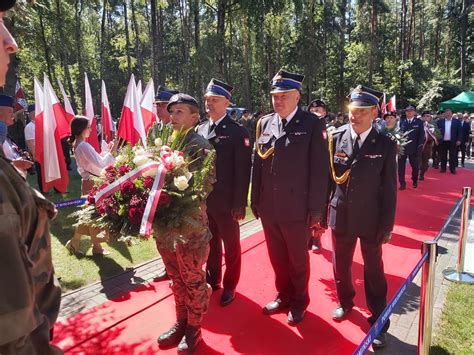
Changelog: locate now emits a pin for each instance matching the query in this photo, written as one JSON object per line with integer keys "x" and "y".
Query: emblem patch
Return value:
{"x": 247, "y": 142}
{"x": 325, "y": 135}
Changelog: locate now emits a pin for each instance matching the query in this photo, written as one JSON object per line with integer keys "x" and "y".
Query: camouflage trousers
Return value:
{"x": 188, "y": 280}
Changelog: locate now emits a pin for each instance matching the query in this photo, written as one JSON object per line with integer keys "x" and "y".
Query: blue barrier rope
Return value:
{"x": 377, "y": 326}
{"x": 70, "y": 203}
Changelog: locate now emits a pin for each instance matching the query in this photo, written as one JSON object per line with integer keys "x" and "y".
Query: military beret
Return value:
{"x": 286, "y": 81}
{"x": 6, "y": 101}
{"x": 31, "y": 108}
{"x": 182, "y": 99}
{"x": 317, "y": 103}
{"x": 363, "y": 96}
{"x": 390, "y": 113}
{"x": 164, "y": 94}
{"x": 219, "y": 88}
{"x": 7, "y": 4}
{"x": 426, "y": 113}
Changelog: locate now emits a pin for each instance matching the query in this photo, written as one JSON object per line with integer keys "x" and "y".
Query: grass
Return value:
{"x": 456, "y": 327}
{"x": 74, "y": 272}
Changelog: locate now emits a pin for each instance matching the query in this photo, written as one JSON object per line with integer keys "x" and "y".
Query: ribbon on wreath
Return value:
{"x": 153, "y": 197}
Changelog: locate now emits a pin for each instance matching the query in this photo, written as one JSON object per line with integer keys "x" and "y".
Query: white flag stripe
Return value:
{"x": 67, "y": 104}
{"x": 51, "y": 163}
{"x": 89, "y": 112}
{"x": 39, "y": 97}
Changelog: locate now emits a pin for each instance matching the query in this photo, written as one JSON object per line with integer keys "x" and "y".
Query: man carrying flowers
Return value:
{"x": 185, "y": 257}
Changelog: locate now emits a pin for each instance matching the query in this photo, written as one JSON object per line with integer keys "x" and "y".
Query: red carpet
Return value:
{"x": 131, "y": 323}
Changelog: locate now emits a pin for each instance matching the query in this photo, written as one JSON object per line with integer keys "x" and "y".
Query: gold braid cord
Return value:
{"x": 270, "y": 150}
{"x": 337, "y": 179}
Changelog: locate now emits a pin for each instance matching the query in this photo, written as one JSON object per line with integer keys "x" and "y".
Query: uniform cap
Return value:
{"x": 286, "y": 81}
{"x": 6, "y": 101}
{"x": 364, "y": 97}
{"x": 164, "y": 94}
{"x": 6, "y": 5}
{"x": 182, "y": 99}
{"x": 317, "y": 103}
{"x": 219, "y": 88}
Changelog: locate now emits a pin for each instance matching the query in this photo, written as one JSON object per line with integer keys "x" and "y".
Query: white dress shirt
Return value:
{"x": 89, "y": 162}
{"x": 287, "y": 118}
{"x": 447, "y": 129}
{"x": 362, "y": 136}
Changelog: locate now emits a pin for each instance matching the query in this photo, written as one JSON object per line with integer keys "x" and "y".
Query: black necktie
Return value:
{"x": 284, "y": 122}
{"x": 356, "y": 147}
{"x": 212, "y": 128}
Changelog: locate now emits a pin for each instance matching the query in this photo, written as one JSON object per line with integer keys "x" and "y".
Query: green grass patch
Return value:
{"x": 455, "y": 332}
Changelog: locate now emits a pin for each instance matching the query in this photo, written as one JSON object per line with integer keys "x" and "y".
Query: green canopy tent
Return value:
{"x": 463, "y": 102}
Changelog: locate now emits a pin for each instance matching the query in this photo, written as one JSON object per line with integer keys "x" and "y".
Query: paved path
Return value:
{"x": 403, "y": 333}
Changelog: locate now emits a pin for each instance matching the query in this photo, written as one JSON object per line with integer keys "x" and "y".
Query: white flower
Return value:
{"x": 140, "y": 151}
{"x": 120, "y": 159}
{"x": 181, "y": 183}
{"x": 178, "y": 160}
{"x": 139, "y": 160}
{"x": 158, "y": 142}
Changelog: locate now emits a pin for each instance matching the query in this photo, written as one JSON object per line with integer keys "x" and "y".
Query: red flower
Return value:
{"x": 135, "y": 201}
{"x": 128, "y": 188}
{"x": 123, "y": 170}
{"x": 165, "y": 199}
{"x": 148, "y": 182}
{"x": 91, "y": 198}
{"x": 110, "y": 173}
{"x": 135, "y": 215}
{"x": 103, "y": 186}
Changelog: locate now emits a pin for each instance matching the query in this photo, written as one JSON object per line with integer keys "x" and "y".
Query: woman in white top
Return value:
{"x": 89, "y": 164}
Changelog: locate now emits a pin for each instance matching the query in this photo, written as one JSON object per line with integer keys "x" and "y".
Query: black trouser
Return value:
{"x": 224, "y": 229}
{"x": 435, "y": 155}
{"x": 67, "y": 152}
{"x": 375, "y": 282}
{"x": 446, "y": 147}
{"x": 463, "y": 148}
{"x": 287, "y": 244}
{"x": 425, "y": 157}
{"x": 39, "y": 177}
{"x": 415, "y": 167}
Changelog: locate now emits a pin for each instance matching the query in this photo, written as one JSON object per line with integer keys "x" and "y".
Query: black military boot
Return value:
{"x": 191, "y": 340}
{"x": 173, "y": 336}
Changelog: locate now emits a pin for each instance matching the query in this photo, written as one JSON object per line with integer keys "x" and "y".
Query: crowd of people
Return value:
{"x": 296, "y": 192}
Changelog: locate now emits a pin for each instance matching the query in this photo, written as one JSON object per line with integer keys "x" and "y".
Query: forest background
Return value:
{"x": 420, "y": 50}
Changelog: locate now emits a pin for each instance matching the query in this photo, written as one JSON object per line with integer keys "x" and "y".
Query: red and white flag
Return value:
{"x": 107, "y": 124}
{"x": 139, "y": 90}
{"x": 20, "y": 100}
{"x": 131, "y": 126}
{"x": 48, "y": 130}
{"x": 67, "y": 104}
{"x": 93, "y": 139}
{"x": 147, "y": 106}
{"x": 384, "y": 104}
{"x": 392, "y": 104}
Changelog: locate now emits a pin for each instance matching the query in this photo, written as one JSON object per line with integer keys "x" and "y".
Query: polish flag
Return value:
{"x": 139, "y": 90}
{"x": 131, "y": 126}
{"x": 48, "y": 129}
{"x": 93, "y": 139}
{"x": 147, "y": 106}
{"x": 67, "y": 104}
{"x": 384, "y": 104}
{"x": 392, "y": 104}
{"x": 39, "y": 152}
{"x": 107, "y": 123}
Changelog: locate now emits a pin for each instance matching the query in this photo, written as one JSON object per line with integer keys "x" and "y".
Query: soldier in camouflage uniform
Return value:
{"x": 184, "y": 263}
{"x": 30, "y": 296}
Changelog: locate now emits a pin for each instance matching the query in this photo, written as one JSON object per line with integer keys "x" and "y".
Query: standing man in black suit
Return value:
{"x": 466, "y": 135}
{"x": 416, "y": 137}
{"x": 289, "y": 190}
{"x": 362, "y": 204}
{"x": 451, "y": 136}
{"x": 227, "y": 202}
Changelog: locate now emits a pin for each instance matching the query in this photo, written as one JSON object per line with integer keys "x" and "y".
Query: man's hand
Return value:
{"x": 255, "y": 211}
{"x": 22, "y": 164}
{"x": 458, "y": 143}
{"x": 238, "y": 214}
{"x": 314, "y": 220}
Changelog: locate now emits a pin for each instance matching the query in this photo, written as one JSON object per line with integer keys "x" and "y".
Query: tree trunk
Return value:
{"x": 221, "y": 47}
{"x": 127, "y": 38}
{"x": 103, "y": 39}
{"x": 79, "y": 6}
{"x": 47, "y": 55}
{"x": 462, "y": 34}
{"x": 342, "y": 53}
{"x": 373, "y": 40}
{"x": 138, "y": 51}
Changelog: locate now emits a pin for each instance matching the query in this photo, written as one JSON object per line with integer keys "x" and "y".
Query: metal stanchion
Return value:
{"x": 426, "y": 297}
{"x": 458, "y": 274}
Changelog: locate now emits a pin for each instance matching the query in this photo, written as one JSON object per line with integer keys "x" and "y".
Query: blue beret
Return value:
{"x": 363, "y": 96}
{"x": 182, "y": 99}
{"x": 219, "y": 88}
{"x": 286, "y": 81}
{"x": 31, "y": 108}
{"x": 164, "y": 94}
{"x": 6, "y": 101}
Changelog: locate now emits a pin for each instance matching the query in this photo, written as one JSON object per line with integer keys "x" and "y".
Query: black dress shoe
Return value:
{"x": 227, "y": 297}
{"x": 215, "y": 287}
{"x": 173, "y": 336}
{"x": 163, "y": 275}
{"x": 380, "y": 341}
{"x": 415, "y": 185}
{"x": 402, "y": 187}
{"x": 191, "y": 340}
{"x": 295, "y": 316}
{"x": 275, "y": 306}
{"x": 422, "y": 178}
{"x": 340, "y": 313}
{"x": 453, "y": 172}
{"x": 442, "y": 171}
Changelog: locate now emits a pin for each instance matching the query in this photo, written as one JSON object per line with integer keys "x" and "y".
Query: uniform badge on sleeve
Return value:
{"x": 247, "y": 142}
{"x": 325, "y": 135}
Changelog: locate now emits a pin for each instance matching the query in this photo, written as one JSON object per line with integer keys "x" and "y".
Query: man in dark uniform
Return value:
{"x": 185, "y": 260}
{"x": 362, "y": 204}
{"x": 227, "y": 202}
{"x": 289, "y": 190}
{"x": 466, "y": 135}
{"x": 162, "y": 98}
{"x": 430, "y": 141}
{"x": 30, "y": 294}
{"x": 451, "y": 135}
{"x": 412, "y": 150}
